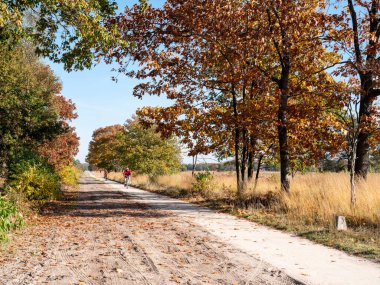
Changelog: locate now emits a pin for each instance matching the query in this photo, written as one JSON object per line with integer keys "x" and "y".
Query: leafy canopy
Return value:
{"x": 141, "y": 149}
{"x": 146, "y": 152}
{"x": 33, "y": 114}
{"x": 66, "y": 31}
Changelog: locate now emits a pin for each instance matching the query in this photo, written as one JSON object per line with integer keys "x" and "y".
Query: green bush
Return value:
{"x": 10, "y": 218}
{"x": 32, "y": 176}
{"x": 204, "y": 182}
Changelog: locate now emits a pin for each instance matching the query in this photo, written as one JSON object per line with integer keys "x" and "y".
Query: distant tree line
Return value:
{"x": 143, "y": 150}
{"x": 226, "y": 166}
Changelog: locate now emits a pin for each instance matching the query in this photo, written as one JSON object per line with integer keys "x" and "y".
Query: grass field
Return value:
{"x": 309, "y": 211}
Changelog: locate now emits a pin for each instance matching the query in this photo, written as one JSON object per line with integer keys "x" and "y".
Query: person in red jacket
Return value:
{"x": 127, "y": 174}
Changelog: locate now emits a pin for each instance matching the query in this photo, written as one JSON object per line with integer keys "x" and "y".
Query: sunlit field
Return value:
{"x": 315, "y": 198}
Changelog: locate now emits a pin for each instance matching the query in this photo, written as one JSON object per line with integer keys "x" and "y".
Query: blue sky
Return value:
{"x": 99, "y": 100}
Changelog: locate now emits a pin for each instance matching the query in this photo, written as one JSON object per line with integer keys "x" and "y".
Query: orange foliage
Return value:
{"x": 61, "y": 150}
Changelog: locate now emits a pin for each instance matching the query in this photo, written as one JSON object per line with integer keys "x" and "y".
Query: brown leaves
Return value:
{"x": 61, "y": 150}
{"x": 103, "y": 147}
{"x": 241, "y": 69}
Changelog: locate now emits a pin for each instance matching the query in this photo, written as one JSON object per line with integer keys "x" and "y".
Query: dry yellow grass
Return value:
{"x": 316, "y": 197}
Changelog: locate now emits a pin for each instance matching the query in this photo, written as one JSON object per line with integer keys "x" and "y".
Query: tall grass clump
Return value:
{"x": 204, "y": 182}
{"x": 317, "y": 198}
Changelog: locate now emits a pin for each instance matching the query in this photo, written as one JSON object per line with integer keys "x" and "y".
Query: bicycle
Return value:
{"x": 126, "y": 181}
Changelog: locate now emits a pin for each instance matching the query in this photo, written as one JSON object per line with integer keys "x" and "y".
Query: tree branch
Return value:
{"x": 356, "y": 32}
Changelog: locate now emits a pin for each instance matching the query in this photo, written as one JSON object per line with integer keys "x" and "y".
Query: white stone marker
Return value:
{"x": 341, "y": 224}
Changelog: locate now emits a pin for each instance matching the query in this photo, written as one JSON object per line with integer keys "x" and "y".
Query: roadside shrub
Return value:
{"x": 70, "y": 176}
{"x": 32, "y": 176}
{"x": 204, "y": 182}
{"x": 10, "y": 217}
{"x": 153, "y": 179}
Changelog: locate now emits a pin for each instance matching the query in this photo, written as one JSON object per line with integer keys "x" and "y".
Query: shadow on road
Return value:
{"x": 101, "y": 203}
{"x": 90, "y": 183}
{"x": 95, "y": 199}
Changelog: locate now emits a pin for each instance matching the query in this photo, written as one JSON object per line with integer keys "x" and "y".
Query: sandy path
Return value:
{"x": 299, "y": 258}
{"x": 105, "y": 236}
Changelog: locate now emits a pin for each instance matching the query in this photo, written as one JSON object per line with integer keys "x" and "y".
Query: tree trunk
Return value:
{"x": 284, "y": 158}
{"x": 244, "y": 161}
{"x": 251, "y": 157}
{"x": 244, "y": 158}
{"x": 195, "y": 158}
{"x": 362, "y": 153}
{"x": 237, "y": 163}
{"x": 282, "y": 128}
{"x": 353, "y": 190}
{"x": 258, "y": 171}
{"x": 352, "y": 174}
{"x": 367, "y": 79}
{"x": 282, "y": 49}
{"x": 239, "y": 183}
{"x": 250, "y": 165}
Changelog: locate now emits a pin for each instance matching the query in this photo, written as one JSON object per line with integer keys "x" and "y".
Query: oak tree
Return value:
{"x": 356, "y": 37}
{"x": 241, "y": 71}
{"x": 104, "y": 148}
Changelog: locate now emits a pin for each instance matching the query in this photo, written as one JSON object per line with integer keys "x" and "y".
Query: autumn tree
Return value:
{"x": 356, "y": 36}
{"x": 134, "y": 146}
{"x": 61, "y": 150}
{"x": 243, "y": 70}
{"x": 27, "y": 89}
{"x": 202, "y": 71}
{"x": 36, "y": 140}
{"x": 290, "y": 33}
{"x": 104, "y": 148}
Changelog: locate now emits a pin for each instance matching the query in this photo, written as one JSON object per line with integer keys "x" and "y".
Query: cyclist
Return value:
{"x": 127, "y": 173}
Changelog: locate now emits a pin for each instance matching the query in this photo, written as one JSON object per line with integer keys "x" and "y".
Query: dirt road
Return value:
{"x": 103, "y": 235}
